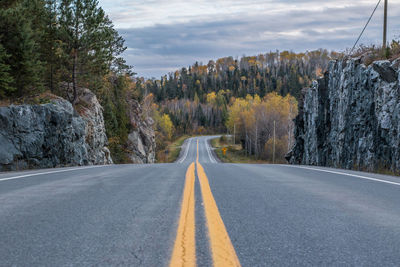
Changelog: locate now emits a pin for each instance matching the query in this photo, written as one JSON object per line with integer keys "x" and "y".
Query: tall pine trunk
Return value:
{"x": 51, "y": 77}
{"x": 74, "y": 77}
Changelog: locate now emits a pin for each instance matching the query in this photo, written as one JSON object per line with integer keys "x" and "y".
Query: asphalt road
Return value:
{"x": 128, "y": 215}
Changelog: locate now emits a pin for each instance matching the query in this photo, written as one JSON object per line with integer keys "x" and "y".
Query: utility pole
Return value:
{"x": 256, "y": 142}
{"x": 273, "y": 147}
{"x": 234, "y": 134}
{"x": 385, "y": 24}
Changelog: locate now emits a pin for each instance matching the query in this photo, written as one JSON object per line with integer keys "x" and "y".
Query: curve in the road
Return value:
{"x": 188, "y": 142}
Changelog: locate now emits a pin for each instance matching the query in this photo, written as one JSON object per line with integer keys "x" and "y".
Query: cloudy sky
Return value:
{"x": 164, "y": 35}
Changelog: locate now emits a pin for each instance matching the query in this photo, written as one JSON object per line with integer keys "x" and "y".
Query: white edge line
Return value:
{"x": 343, "y": 173}
{"x": 209, "y": 151}
{"x": 186, "y": 152}
{"x": 212, "y": 155}
{"x": 41, "y": 173}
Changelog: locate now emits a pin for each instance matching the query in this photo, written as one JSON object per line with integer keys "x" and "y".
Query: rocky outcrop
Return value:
{"x": 95, "y": 134}
{"x": 53, "y": 135}
{"x": 141, "y": 140}
{"x": 351, "y": 118}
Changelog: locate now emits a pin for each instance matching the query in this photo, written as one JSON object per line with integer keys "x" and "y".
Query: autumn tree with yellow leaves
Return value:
{"x": 252, "y": 119}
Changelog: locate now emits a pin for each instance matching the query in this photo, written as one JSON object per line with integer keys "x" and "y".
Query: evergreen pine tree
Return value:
{"x": 18, "y": 40}
{"x": 50, "y": 43}
{"x": 90, "y": 42}
{"x": 6, "y": 79}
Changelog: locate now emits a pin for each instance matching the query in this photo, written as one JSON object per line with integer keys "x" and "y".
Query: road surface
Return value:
{"x": 198, "y": 210}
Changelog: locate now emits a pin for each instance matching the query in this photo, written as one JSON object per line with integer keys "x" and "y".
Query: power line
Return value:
{"x": 358, "y": 39}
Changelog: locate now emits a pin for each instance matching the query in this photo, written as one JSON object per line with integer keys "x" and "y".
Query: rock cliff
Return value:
{"x": 95, "y": 134}
{"x": 141, "y": 139}
{"x": 53, "y": 134}
{"x": 350, "y": 118}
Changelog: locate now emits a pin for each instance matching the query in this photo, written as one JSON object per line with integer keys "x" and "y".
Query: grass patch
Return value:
{"x": 369, "y": 54}
{"x": 171, "y": 152}
{"x": 234, "y": 153}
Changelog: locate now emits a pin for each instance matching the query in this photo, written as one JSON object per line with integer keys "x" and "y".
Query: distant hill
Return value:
{"x": 283, "y": 72}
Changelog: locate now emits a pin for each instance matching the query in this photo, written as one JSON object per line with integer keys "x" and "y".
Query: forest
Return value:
{"x": 282, "y": 72}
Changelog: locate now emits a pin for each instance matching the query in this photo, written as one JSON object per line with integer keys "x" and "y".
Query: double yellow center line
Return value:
{"x": 184, "y": 253}
{"x": 222, "y": 250}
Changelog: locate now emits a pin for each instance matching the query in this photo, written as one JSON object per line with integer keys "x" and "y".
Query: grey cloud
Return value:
{"x": 165, "y": 47}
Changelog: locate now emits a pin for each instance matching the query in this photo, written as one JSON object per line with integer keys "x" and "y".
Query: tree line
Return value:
{"x": 46, "y": 42}
{"x": 282, "y": 72}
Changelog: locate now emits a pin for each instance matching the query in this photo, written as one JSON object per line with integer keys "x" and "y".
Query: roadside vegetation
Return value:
{"x": 234, "y": 153}
{"x": 372, "y": 53}
{"x": 263, "y": 125}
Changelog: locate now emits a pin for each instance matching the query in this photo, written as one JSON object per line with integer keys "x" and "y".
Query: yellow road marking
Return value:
{"x": 184, "y": 253}
{"x": 222, "y": 250}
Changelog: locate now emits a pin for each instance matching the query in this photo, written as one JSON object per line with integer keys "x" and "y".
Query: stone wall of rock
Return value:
{"x": 351, "y": 118}
{"x": 141, "y": 139}
{"x": 53, "y": 134}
